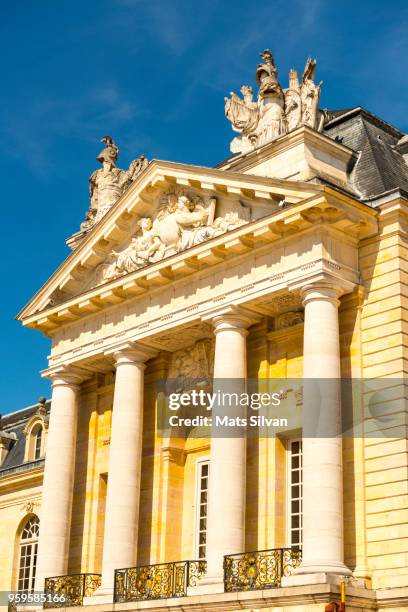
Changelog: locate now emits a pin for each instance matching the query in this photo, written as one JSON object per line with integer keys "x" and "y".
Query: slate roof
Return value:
{"x": 15, "y": 423}
{"x": 380, "y": 167}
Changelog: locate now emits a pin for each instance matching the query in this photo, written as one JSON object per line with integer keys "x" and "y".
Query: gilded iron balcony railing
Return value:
{"x": 260, "y": 569}
{"x": 64, "y": 591}
{"x": 160, "y": 581}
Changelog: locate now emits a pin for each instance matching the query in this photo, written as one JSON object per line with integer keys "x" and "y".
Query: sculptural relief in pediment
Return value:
{"x": 181, "y": 220}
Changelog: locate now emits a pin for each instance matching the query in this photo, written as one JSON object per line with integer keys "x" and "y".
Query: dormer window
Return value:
{"x": 36, "y": 434}
{"x": 37, "y": 443}
{"x": 34, "y": 442}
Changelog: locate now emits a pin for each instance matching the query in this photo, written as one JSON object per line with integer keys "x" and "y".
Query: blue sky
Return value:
{"x": 153, "y": 74}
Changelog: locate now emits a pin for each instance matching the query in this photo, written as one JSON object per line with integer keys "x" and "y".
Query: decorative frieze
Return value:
{"x": 289, "y": 319}
{"x": 288, "y": 302}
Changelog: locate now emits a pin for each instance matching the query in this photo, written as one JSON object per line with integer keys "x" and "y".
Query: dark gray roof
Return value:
{"x": 12, "y": 419}
{"x": 15, "y": 456}
{"x": 15, "y": 423}
{"x": 380, "y": 167}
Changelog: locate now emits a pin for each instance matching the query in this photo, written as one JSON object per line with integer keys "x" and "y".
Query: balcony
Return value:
{"x": 64, "y": 591}
{"x": 160, "y": 581}
{"x": 22, "y": 467}
{"x": 261, "y": 569}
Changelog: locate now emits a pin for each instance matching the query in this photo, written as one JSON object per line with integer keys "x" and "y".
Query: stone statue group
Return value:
{"x": 276, "y": 111}
{"x": 184, "y": 220}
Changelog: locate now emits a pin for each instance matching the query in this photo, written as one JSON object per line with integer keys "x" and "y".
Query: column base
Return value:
{"x": 324, "y": 567}
{"x": 101, "y": 596}
{"x": 320, "y": 578}
{"x": 209, "y": 588}
{"x": 208, "y": 585}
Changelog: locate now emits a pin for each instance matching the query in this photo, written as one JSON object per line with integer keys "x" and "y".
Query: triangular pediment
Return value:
{"x": 186, "y": 206}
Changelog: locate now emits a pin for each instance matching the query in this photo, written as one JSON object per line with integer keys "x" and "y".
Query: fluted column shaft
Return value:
{"x": 125, "y": 456}
{"x": 58, "y": 484}
{"x": 323, "y": 546}
{"x": 226, "y": 498}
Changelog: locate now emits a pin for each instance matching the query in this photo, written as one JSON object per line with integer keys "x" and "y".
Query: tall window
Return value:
{"x": 203, "y": 472}
{"x": 37, "y": 443}
{"x": 295, "y": 493}
{"x": 28, "y": 555}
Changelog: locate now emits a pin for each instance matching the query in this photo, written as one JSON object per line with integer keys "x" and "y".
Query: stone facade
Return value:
{"x": 270, "y": 266}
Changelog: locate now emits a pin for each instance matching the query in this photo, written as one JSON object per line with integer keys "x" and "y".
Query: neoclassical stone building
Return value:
{"x": 285, "y": 261}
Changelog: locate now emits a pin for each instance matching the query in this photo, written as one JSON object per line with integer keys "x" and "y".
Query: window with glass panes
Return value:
{"x": 203, "y": 473}
{"x": 28, "y": 555}
{"x": 37, "y": 443}
{"x": 295, "y": 493}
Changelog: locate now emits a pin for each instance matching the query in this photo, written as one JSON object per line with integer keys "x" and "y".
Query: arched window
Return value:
{"x": 37, "y": 443}
{"x": 28, "y": 555}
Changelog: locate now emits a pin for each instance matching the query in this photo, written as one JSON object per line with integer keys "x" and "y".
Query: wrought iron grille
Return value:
{"x": 70, "y": 589}
{"x": 159, "y": 581}
{"x": 260, "y": 569}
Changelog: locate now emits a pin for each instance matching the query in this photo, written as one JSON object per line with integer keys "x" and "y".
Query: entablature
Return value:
{"x": 305, "y": 238}
{"x": 262, "y": 281}
{"x": 142, "y": 198}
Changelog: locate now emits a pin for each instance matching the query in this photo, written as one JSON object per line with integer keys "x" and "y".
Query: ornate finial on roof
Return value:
{"x": 41, "y": 405}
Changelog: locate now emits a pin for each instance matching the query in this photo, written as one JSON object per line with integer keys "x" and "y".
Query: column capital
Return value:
{"x": 68, "y": 376}
{"x": 232, "y": 317}
{"x": 131, "y": 352}
{"x": 328, "y": 290}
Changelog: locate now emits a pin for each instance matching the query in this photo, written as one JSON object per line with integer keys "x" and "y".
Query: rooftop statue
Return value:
{"x": 276, "y": 111}
{"x": 107, "y": 184}
{"x": 271, "y": 101}
{"x": 243, "y": 114}
{"x": 310, "y": 94}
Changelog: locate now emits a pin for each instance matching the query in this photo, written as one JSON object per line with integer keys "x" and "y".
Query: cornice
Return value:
{"x": 136, "y": 200}
{"x": 302, "y": 135}
{"x": 268, "y": 598}
{"x": 330, "y": 209}
{"x": 18, "y": 480}
{"x": 242, "y": 297}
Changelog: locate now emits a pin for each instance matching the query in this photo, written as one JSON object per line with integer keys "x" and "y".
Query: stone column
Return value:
{"x": 58, "y": 484}
{"x": 125, "y": 456}
{"x": 226, "y": 497}
{"x": 322, "y": 441}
